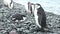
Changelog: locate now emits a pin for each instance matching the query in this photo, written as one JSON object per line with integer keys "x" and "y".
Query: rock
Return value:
{"x": 13, "y": 32}
{"x": 27, "y": 25}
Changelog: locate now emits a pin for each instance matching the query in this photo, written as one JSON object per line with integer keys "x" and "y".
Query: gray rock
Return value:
{"x": 13, "y": 32}
{"x": 53, "y": 21}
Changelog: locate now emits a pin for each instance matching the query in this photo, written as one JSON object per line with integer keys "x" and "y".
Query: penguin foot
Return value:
{"x": 46, "y": 30}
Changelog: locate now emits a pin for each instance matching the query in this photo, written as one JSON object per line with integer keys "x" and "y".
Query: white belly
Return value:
{"x": 10, "y": 6}
{"x": 6, "y": 2}
{"x": 36, "y": 18}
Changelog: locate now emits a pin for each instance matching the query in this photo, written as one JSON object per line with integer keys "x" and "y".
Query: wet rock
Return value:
{"x": 13, "y": 32}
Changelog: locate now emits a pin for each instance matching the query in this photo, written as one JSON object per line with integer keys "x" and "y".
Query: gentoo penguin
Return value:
{"x": 40, "y": 16}
{"x": 8, "y": 3}
{"x": 18, "y": 17}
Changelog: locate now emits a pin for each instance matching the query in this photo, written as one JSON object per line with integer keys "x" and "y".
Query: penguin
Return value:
{"x": 28, "y": 8}
{"x": 8, "y": 3}
{"x": 40, "y": 16}
{"x": 31, "y": 8}
{"x": 18, "y": 17}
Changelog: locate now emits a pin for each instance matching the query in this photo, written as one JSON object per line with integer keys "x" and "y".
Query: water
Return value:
{"x": 48, "y": 5}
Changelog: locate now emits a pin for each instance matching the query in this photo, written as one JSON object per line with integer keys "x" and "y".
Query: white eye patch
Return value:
{"x": 37, "y": 6}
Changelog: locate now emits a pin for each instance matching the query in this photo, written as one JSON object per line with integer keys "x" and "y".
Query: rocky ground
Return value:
{"x": 27, "y": 26}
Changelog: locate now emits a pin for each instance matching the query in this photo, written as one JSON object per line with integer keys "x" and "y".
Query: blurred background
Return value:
{"x": 48, "y": 5}
{"x": 28, "y": 26}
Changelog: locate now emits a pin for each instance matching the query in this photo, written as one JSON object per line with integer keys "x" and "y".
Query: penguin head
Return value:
{"x": 37, "y": 5}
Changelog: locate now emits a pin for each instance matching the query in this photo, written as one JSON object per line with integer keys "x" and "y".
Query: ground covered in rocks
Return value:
{"x": 27, "y": 26}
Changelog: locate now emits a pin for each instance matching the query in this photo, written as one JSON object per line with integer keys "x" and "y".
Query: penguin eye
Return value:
{"x": 37, "y": 6}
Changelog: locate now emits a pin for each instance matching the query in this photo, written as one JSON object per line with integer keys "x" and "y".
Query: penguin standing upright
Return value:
{"x": 29, "y": 8}
{"x": 40, "y": 16}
